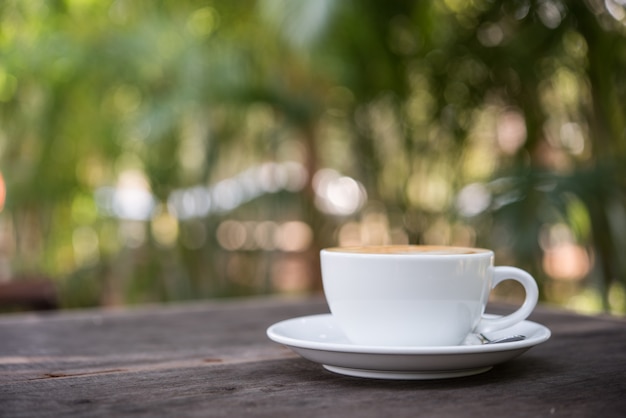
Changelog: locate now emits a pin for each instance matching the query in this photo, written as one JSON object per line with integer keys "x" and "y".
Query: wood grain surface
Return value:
{"x": 214, "y": 359}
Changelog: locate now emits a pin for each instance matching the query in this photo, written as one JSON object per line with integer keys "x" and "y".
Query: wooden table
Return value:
{"x": 214, "y": 359}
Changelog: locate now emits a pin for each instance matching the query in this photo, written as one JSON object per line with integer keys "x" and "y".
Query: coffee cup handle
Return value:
{"x": 500, "y": 274}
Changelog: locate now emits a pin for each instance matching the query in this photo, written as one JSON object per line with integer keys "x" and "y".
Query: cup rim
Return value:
{"x": 348, "y": 251}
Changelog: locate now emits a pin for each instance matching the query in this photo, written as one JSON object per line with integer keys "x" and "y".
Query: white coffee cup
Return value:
{"x": 416, "y": 295}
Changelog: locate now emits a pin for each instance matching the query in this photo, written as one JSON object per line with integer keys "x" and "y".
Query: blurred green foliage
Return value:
{"x": 486, "y": 122}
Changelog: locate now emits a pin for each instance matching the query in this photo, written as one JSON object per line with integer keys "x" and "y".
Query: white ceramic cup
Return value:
{"x": 416, "y": 295}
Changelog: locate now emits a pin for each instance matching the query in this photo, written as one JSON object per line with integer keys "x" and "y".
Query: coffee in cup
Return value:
{"x": 411, "y": 295}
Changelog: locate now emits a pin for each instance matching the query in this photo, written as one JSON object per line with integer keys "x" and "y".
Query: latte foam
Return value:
{"x": 409, "y": 249}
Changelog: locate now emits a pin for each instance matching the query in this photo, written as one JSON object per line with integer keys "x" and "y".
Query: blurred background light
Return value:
{"x": 230, "y": 193}
{"x": 473, "y": 199}
{"x": 3, "y": 192}
{"x": 336, "y": 194}
{"x": 131, "y": 198}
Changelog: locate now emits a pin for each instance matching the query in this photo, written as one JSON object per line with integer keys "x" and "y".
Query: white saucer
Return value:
{"x": 318, "y": 338}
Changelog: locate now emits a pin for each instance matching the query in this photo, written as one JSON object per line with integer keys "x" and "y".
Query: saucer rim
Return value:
{"x": 541, "y": 335}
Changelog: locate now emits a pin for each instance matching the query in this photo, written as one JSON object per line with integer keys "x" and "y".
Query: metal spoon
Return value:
{"x": 508, "y": 339}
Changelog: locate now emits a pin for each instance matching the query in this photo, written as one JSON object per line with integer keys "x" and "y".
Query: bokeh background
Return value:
{"x": 155, "y": 151}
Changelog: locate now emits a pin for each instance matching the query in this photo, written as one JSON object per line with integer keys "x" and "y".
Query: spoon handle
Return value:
{"x": 508, "y": 339}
